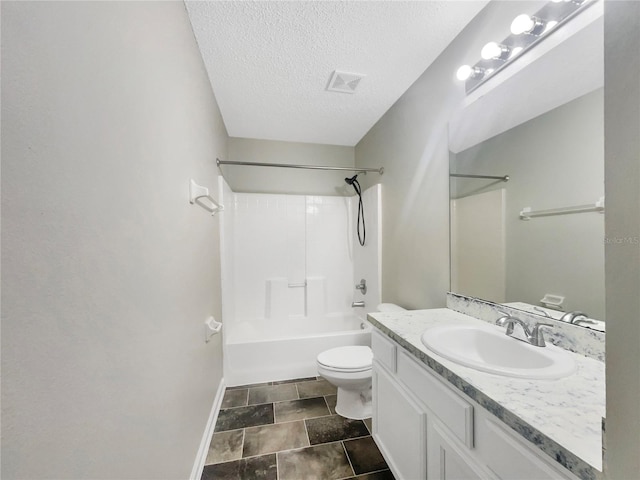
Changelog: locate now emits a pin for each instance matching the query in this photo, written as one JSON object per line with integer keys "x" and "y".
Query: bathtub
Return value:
{"x": 271, "y": 350}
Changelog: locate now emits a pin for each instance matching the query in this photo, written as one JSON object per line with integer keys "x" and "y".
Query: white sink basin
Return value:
{"x": 488, "y": 349}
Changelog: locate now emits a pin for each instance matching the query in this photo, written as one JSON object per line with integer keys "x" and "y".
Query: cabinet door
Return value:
{"x": 399, "y": 427}
{"x": 510, "y": 457}
{"x": 448, "y": 461}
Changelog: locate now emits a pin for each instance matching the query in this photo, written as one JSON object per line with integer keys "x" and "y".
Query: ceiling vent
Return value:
{"x": 344, "y": 82}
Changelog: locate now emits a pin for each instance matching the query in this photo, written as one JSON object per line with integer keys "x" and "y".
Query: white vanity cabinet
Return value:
{"x": 428, "y": 430}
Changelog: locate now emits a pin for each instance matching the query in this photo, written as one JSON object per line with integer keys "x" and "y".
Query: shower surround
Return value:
{"x": 290, "y": 264}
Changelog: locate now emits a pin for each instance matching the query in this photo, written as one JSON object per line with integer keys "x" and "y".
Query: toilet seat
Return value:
{"x": 347, "y": 359}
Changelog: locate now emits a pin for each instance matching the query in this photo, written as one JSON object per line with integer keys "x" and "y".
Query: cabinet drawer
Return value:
{"x": 384, "y": 350}
{"x": 451, "y": 409}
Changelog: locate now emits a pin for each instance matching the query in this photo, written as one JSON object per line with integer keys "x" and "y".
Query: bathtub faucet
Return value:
{"x": 357, "y": 304}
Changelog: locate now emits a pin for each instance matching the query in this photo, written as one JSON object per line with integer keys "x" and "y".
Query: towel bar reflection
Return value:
{"x": 196, "y": 195}
{"x": 598, "y": 206}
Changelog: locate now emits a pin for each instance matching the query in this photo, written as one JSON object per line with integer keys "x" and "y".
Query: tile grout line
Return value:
{"x": 244, "y": 431}
{"x": 306, "y": 430}
{"x": 327, "y": 403}
{"x": 348, "y": 458}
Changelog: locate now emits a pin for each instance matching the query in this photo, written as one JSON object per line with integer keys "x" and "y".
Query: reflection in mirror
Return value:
{"x": 549, "y": 262}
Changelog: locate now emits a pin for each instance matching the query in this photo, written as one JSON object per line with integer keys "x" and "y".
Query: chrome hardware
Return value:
{"x": 533, "y": 337}
{"x": 573, "y": 317}
{"x": 357, "y": 304}
{"x": 362, "y": 286}
{"x": 543, "y": 312}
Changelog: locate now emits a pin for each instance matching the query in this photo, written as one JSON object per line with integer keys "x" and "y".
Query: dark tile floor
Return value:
{"x": 290, "y": 431}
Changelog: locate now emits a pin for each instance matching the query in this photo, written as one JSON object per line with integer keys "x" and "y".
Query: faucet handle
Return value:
{"x": 537, "y": 337}
{"x": 362, "y": 286}
{"x": 543, "y": 312}
{"x": 501, "y": 321}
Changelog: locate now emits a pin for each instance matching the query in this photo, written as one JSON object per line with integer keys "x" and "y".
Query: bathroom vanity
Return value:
{"x": 436, "y": 419}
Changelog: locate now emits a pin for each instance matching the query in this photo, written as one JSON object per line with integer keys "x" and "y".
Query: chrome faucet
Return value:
{"x": 362, "y": 286}
{"x": 573, "y": 317}
{"x": 357, "y": 304}
{"x": 533, "y": 337}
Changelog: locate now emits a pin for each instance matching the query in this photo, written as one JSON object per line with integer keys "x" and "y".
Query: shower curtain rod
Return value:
{"x": 309, "y": 167}
{"x": 493, "y": 177}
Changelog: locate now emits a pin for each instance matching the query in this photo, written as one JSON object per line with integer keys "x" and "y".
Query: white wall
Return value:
{"x": 108, "y": 272}
{"x": 622, "y": 241}
{"x": 288, "y": 180}
{"x": 281, "y": 240}
{"x": 554, "y": 160}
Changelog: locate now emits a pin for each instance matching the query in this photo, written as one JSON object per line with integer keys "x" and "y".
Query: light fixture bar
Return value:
{"x": 530, "y": 31}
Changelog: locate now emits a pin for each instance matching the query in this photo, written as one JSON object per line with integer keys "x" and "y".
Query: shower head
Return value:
{"x": 351, "y": 180}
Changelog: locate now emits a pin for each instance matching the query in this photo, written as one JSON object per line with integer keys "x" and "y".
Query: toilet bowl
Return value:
{"x": 349, "y": 369}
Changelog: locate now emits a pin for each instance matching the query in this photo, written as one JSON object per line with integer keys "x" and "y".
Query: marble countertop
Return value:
{"x": 562, "y": 417}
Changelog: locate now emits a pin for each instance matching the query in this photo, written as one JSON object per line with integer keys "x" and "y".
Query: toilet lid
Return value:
{"x": 347, "y": 358}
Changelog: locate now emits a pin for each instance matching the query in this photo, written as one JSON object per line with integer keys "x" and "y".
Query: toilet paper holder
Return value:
{"x": 211, "y": 328}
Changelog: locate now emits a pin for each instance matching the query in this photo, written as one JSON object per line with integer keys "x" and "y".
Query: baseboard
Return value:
{"x": 201, "y": 457}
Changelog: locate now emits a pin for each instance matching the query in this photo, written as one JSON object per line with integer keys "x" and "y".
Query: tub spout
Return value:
{"x": 357, "y": 304}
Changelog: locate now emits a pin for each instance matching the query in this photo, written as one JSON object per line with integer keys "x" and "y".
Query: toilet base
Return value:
{"x": 353, "y": 404}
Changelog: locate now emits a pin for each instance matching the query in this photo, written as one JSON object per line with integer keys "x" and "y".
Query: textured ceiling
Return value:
{"x": 270, "y": 62}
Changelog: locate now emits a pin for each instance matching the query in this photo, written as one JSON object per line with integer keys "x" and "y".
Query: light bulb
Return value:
{"x": 522, "y": 24}
{"x": 465, "y": 72}
{"x": 550, "y": 24}
{"x": 516, "y": 51}
{"x": 494, "y": 50}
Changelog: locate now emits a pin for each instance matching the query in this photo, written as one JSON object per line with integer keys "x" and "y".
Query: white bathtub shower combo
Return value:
{"x": 290, "y": 264}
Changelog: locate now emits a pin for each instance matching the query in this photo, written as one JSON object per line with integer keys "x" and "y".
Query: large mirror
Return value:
{"x": 536, "y": 241}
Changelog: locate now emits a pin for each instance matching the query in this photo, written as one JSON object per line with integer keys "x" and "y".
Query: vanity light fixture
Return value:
{"x": 525, "y": 32}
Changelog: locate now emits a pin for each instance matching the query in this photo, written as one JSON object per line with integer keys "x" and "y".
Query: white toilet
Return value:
{"x": 349, "y": 369}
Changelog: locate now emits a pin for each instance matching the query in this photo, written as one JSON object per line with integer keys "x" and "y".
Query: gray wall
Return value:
{"x": 107, "y": 272}
{"x": 288, "y": 180}
{"x": 554, "y": 160}
{"x": 622, "y": 242}
{"x": 411, "y": 142}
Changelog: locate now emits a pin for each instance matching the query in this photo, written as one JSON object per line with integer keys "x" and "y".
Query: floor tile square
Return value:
{"x": 274, "y": 438}
{"x": 322, "y": 462}
{"x": 333, "y": 428}
{"x": 235, "y": 398}
{"x": 316, "y": 388}
{"x": 364, "y": 455}
{"x": 255, "y": 468}
{"x": 300, "y": 409}
{"x": 225, "y": 446}
{"x": 272, "y": 393}
{"x": 241, "y": 417}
